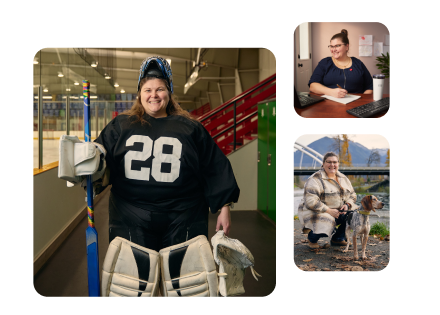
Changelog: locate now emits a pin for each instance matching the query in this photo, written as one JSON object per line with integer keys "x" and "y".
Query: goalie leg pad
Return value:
{"x": 130, "y": 270}
{"x": 188, "y": 269}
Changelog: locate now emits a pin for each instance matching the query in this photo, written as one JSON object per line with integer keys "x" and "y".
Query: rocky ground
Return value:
{"x": 331, "y": 258}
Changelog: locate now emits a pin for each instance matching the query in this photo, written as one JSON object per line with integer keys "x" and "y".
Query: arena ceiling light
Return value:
{"x": 36, "y": 61}
{"x": 60, "y": 75}
{"x": 45, "y": 90}
{"x": 107, "y": 76}
{"x": 116, "y": 84}
{"x": 122, "y": 91}
{"x": 94, "y": 64}
{"x": 76, "y": 83}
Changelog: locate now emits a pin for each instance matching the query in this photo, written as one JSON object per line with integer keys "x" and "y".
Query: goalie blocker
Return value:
{"x": 78, "y": 159}
{"x": 186, "y": 269}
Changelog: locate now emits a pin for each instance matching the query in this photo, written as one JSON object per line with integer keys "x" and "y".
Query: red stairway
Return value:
{"x": 237, "y": 116}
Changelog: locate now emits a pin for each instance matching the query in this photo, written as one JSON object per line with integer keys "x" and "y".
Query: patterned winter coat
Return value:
{"x": 320, "y": 194}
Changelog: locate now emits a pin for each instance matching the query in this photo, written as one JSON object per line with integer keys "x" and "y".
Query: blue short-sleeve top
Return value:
{"x": 357, "y": 78}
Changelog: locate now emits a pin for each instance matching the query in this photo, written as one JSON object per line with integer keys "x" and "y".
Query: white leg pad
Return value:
{"x": 188, "y": 269}
{"x": 130, "y": 270}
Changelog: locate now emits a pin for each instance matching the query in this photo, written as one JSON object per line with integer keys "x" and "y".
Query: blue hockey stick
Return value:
{"x": 91, "y": 234}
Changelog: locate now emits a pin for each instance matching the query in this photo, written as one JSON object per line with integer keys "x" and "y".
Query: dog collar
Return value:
{"x": 364, "y": 212}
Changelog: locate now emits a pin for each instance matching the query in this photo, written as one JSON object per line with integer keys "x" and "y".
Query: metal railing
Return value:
{"x": 236, "y": 120}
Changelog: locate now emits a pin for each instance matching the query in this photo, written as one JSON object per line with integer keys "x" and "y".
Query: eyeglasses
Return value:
{"x": 336, "y": 46}
{"x": 332, "y": 162}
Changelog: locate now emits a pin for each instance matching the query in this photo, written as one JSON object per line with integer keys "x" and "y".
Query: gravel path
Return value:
{"x": 333, "y": 259}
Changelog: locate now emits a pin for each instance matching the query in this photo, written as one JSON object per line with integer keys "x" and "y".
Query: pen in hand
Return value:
{"x": 340, "y": 88}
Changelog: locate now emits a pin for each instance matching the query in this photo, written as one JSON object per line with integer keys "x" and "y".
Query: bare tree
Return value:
{"x": 373, "y": 158}
{"x": 340, "y": 146}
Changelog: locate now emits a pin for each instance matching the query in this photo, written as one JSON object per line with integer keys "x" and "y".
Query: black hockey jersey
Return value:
{"x": 172, "y": 163}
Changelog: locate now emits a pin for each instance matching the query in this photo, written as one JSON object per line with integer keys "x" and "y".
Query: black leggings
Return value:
{"x": 339, "y": 234}
{"x": 154, "y": 229}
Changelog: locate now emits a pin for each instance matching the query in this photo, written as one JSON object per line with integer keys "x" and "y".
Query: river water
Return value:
{"x": 384, "y": 214}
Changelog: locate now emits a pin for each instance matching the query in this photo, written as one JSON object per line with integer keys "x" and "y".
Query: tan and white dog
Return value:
{"x": 358, "y": 223}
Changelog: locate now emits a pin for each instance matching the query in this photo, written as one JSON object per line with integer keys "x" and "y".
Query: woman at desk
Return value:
{"x": 340, "y": 74}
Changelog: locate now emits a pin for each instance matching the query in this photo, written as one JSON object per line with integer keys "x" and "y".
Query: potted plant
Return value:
{"x": 384, "y": 64}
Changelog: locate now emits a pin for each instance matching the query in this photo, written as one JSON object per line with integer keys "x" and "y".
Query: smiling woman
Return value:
{"x": 331, "y": 165}
{"x": 339, "y": 51}
{"x": 328, "y": 194}
{"x": 340, "y": 74}
{"x": 166, "y": 171}
{"x": 155, "y": 96}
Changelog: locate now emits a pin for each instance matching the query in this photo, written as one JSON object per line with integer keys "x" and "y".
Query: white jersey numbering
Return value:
{"x": 158, "y": 158}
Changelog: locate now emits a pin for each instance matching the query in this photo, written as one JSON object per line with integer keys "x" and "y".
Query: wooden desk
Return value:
{"x": 331, "y": 109}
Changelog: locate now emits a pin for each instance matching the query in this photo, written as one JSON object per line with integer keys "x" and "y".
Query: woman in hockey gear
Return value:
{"x": 155, "y": 98}
{"x": 165, "y": 169}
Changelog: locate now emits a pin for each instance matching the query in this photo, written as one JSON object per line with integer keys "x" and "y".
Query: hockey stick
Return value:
{"x": 91, "y": 234}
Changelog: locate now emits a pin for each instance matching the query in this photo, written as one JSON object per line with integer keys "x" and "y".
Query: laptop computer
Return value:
{"x": 302, "y": 101}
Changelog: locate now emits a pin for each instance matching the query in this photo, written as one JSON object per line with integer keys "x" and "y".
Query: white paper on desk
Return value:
{"x": 344, "y": 100}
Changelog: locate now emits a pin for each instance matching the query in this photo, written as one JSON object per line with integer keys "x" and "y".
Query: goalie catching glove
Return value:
{"x": 78, "y": 159}
{"x": 233, "y": 258}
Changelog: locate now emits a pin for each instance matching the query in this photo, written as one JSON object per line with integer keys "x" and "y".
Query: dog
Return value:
{"x": 359, "y": 224}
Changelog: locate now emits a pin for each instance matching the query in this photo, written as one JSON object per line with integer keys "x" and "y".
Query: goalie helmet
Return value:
{"x": 156, "y": 67}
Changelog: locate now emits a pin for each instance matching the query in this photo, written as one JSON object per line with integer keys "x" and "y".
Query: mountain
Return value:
{"x": 359, "y": 153}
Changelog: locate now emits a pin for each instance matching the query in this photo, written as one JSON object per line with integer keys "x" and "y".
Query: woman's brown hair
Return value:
{"x": 343, "y": 35}
{"x": 173, "y": 108}
{"x": 327, "y": 155}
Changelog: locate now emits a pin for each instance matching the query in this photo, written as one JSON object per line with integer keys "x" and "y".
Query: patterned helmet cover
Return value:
{"x": 163, "y": 66}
